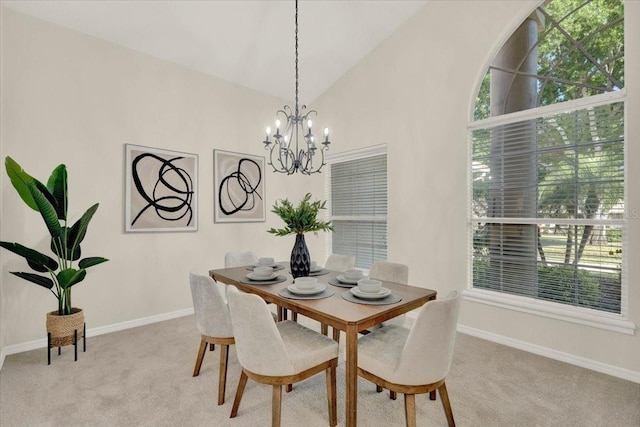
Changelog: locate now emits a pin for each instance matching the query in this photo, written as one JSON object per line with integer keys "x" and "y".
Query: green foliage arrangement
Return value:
{"x": 302, "y": 219}
{"x": 51, "y": 202}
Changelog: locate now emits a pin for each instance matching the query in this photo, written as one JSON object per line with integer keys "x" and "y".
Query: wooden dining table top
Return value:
{"x": 334, "y": 310}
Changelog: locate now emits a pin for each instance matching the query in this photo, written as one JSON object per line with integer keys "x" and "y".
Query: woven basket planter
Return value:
{"x": 62, "y": 328}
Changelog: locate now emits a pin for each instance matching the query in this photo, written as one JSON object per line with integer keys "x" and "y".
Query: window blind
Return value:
{"x": 359, "y": 209}
{"x": 548, "y": 204}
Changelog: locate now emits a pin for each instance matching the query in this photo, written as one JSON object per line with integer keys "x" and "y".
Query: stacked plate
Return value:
{"x": 306, "y": 286}
{"x": 306, "y": 291}
{"x": 262, "y": 273}
{"x": 343, "y": 279}
{"x": 382, "y": 293}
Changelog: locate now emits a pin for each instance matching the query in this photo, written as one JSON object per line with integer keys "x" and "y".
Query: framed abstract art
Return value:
{"x": 239, "y": 187}
{"x": 161, "y": 188}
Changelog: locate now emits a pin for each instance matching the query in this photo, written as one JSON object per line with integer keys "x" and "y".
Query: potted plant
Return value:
{"x": 300, "y": 220}
{"x": 59, "y": 274}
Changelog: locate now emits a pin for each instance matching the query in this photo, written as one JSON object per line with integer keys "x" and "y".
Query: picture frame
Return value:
{"x": 239, "y": 187}
{"x": 161, "y": 189}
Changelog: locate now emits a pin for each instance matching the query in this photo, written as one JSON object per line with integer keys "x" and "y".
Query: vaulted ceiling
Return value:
{"x": 247, "y": 42}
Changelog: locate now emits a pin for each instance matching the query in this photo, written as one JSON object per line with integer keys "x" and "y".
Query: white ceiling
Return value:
{"x": 247, "y": 42}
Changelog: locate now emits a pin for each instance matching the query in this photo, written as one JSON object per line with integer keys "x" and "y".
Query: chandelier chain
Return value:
{"x": 297, "y": 112}
{"x": 296, "y": 148}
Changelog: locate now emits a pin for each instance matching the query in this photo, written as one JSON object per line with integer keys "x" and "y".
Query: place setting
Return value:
{"x": 266, "y": 262}
{"x": 347, "y": 279}
{"x": 306, "y": 288}
{"x": 263, "y": 275}
{"x": 371, "y": 292}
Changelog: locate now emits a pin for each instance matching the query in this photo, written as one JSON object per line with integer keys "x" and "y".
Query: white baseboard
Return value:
{"x": 41, "y": 343}
{"x": 583, "y": 362}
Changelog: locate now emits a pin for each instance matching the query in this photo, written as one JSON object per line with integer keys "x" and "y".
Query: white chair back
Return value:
{"x": 259, "y": 346}
{"x": 238, "y": 259}
{"x": 337, "y": 262}
{"x": 211, "y": 312}
{"x": 390, "y": 272}
{"x": 428, "y": 351}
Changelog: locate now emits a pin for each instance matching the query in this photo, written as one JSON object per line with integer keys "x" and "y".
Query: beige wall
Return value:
{"x": 416, "y": 93}
{"x": 69, "y": 98}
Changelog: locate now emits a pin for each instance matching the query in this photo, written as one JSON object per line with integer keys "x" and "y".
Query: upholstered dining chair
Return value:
{"x": 213, "y": 322}
{"x": 278, "y": 353}
{"x": 414, "y": 361}
{"x": 338, "y": 262}
{"x": 390, "y": 272}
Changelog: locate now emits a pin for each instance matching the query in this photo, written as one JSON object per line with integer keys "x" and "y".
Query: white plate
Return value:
{"x": 384, "y": 292}
{"x": 343, "y": 279}
{"x": 274, "y": 265}
{"x": 294, "y": 290}
{"x": 253, "y": 276}
{"x": 315, "y": 269}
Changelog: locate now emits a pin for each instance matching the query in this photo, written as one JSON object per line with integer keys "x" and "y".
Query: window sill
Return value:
{"x": 581, "y": 316}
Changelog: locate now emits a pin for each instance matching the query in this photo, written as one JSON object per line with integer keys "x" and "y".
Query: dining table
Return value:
{"x": 338, "y": 310}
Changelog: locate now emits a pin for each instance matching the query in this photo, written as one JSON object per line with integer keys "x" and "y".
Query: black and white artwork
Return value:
{"x": 239, "y": 187}
{"x": 161, "y": 190}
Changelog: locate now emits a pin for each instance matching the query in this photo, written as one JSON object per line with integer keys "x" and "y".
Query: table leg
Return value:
{"x": 352, "y": 376}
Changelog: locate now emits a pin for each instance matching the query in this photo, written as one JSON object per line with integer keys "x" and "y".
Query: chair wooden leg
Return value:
{"x": 294, "y": 316}
{"x": 212, "y": 347}
{"x": 379, "y": 389}
{"x": 410, "y": 409}
{"x": 432, "y": 395}
{"x": 336, "y": 335}
{"x": 331, "y": 395}
{"x": 201, "y": 352}
{"x": 276, "y": 405}
{"x": 239, "y": 391}
{"x": 222, "y": 376}
{"x": 392, "y": 395}
{"x": 289, "y": 388}
{"x": 324, "y": 329}
{"x": 444, "y": 396}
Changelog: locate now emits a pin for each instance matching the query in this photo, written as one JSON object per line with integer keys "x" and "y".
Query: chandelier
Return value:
{"x": 295, "y": 148}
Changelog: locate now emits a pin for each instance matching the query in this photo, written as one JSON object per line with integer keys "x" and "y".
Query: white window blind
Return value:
{"x": 548, "y": 206}
{"x": 358, "y": 189}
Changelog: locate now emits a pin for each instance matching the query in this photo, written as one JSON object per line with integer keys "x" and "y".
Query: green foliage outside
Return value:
{"x": 579, "y": 155}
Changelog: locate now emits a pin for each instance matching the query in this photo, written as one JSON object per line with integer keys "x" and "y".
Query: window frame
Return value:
{"x": 580, "y": 315}
{"x": 345, "y": 156}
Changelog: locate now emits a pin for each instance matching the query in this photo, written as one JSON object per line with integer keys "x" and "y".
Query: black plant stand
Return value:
{"x": 75, "y": 344}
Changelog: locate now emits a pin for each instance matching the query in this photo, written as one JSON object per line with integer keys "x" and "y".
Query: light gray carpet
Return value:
{"x": 142, "y": 377}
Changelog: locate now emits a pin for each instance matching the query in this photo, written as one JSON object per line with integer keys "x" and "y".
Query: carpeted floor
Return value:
{"x": 142, "y": 377}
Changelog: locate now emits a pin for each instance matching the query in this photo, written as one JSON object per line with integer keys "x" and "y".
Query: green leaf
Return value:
{"x": 36, "y": 260}
{"x": 57, "y": 186}
{"x": 70, "y": 276}
{"x": 35, "y": 278}
{"x": 91, "y": 261}
{"x": 20, "y": 181}
{"x": 64, "y": 242}
{"x": 79, "y": 229}
{"x": 301, "y": 219}
{"x": 43, "y": 201}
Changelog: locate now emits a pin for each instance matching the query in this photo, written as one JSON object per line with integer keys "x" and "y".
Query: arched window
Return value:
{"x": 547, "y": 164}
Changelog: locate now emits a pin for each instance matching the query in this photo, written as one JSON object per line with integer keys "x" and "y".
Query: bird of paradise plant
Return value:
{"x": 51, "y": 202}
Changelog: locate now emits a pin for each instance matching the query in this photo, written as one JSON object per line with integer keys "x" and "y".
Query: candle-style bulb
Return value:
{"x": 277, "y": 124}
{"x": 326, "y": 131}
{"x": 268, "y": 131}
{"x": 309, "y": 123}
